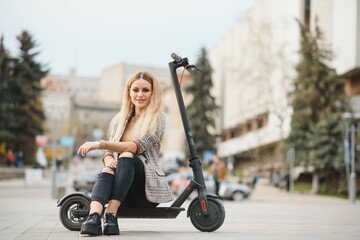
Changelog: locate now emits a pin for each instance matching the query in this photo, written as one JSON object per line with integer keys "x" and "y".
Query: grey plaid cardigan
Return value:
{"x": 156, "y": 187}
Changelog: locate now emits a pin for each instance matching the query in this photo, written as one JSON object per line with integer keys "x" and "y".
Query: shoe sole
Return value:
{"x": 111, "y": 231}
{"x": 91, "y": 230}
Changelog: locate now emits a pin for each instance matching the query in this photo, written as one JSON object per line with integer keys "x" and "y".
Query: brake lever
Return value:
{"x": 192, "y": 66}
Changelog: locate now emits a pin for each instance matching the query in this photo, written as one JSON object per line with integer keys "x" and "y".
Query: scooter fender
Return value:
{"x": 209, "y": 195}
{"x": 81, "y": 194}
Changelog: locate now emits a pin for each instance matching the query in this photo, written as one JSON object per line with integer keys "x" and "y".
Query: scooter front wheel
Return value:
{"x": 74, "y": 211}
{"x": 210, "y": 222}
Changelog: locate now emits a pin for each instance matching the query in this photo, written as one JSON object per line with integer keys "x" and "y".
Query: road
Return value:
{"x": 29, "y": 212}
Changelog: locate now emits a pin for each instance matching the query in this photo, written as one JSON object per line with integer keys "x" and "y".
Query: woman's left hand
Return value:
{"x": 87, "y": 147}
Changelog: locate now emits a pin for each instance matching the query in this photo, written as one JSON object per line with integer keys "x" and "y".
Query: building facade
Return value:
{"x": 113, "y": 80}
{"x": 254, "y": 65}
{"x": 60, "y": 94}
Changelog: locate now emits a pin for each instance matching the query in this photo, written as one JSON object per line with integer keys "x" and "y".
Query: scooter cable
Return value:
{"x": 182, "y": 74}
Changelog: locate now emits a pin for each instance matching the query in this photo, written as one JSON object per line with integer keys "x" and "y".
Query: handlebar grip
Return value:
{"x": 176, "y": 58}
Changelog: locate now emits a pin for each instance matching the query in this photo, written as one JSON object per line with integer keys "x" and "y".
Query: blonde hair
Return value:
{"x": 151, "y": 113}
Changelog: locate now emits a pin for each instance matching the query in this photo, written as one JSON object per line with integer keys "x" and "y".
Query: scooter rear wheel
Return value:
{"x": 67, "y": 209}
{"x": 212, "y": 221}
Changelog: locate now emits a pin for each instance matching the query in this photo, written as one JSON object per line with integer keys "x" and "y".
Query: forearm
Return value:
{"x": 119, "y": 146}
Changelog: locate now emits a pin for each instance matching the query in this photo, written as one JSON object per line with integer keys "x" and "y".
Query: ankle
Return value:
{"x": 94, "y": 212}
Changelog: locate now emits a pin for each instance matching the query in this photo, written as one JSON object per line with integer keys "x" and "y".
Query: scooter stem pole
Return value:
{"x": 195, "y": 163}
{"x": 173, "y": 66}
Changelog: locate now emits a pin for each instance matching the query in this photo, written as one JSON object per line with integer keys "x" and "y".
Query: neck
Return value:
{"x": 138, "y": 113}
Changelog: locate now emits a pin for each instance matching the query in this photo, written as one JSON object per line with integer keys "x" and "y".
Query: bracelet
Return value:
{"x": 112, "y": 168}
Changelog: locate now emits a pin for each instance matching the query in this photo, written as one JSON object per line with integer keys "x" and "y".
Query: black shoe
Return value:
{"x": 111, "y": 226}
{"x": 92, "y": 225}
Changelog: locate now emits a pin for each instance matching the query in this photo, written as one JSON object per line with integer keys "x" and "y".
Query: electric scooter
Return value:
{"x": 206, "y": 212}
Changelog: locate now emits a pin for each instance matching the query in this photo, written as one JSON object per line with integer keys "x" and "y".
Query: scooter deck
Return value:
{"x": 158, "y": 212}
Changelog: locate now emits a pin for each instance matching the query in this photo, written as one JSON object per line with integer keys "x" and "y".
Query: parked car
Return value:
{"x": 85, "y": 181}
{"x": 228, "y": 190}
{"x": 234, "y": 191}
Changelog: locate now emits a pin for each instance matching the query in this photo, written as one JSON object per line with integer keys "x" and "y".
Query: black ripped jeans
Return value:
{"x": 127, "y": 186}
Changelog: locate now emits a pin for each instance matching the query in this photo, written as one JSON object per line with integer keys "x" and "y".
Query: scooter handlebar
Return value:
{"x": 176, "y": 57}
{"x": 183, "y": 62}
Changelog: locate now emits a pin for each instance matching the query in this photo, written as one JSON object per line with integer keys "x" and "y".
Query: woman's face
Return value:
{"x": 140, "y": 93}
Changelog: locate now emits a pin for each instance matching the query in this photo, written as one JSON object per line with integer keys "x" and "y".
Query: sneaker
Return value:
{"x": 92, "y": 225}
{"x": 111, "y": 226}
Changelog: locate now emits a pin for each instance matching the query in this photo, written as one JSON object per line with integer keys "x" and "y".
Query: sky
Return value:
{"x": 91, "y": 35}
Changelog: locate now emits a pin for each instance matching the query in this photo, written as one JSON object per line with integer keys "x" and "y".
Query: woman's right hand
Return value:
{"x": 110, "y": 162}
{"x": 87, "y": 147}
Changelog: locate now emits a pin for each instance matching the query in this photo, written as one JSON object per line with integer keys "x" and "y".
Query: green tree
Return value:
{"x": 202, "y": 109}
{"x": 21, "y": 109}
{"x": 317, "y": 98}
{"x": 8, "y": 122}
{"x": 29, "y": 73}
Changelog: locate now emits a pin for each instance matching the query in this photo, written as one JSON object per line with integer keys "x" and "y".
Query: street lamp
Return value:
{"x": 291, "y": 159}
{"x": 57, "y": 114}
{"x": 351, "y": 121}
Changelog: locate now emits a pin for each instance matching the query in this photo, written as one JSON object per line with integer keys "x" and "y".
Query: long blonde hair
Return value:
{"x": 151, "y": 113}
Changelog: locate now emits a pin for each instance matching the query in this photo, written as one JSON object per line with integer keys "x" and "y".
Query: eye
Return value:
{"x": 146, "y": 90}
{"x": 135, "y": 90}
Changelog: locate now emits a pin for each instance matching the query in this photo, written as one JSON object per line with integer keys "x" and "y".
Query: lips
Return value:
{"x": 140, "y": 101}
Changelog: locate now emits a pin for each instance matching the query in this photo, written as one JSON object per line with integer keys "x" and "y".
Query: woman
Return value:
{"x": 131, "y": 176}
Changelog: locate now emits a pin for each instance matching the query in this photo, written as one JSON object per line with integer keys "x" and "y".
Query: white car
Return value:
{"x": 228, "y": 190}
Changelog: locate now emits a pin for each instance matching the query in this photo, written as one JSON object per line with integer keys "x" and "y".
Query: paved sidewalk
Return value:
{"x": 28, "y": 212}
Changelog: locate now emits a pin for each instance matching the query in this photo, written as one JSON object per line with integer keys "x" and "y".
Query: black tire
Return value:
{"x": 238, "y": 196}
{"x": 66, "y": 212}
{"x": 211, "y": 222}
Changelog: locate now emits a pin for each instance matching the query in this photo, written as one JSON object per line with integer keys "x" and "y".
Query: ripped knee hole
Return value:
{"x": 126, "y": 154}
